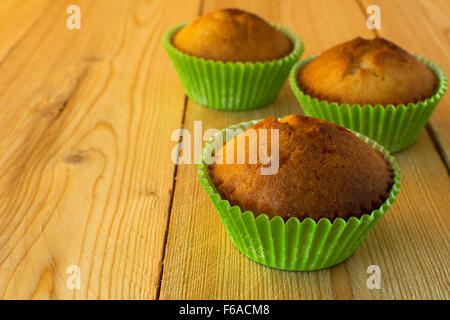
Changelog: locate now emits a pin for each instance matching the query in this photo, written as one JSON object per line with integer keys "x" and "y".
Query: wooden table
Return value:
{"x": 86, "y": 177}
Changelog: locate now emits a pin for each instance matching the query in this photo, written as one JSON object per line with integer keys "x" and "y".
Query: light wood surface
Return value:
{"x": 86, "y": 177}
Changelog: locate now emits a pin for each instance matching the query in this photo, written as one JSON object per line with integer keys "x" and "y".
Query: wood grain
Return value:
{"x": 423, "y": 27}
{"x": 16, "y": 19}
{"x": 84, "y": 179}
{"x": 202, "y": 263}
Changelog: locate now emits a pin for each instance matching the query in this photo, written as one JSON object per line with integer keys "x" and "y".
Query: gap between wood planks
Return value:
{"x": 172, "y": 192}
{"x": 439, "y": 148}
{"x": 428, "y": 127}
{"x": 440, "y": 151}
{"x": 363, "y": 10}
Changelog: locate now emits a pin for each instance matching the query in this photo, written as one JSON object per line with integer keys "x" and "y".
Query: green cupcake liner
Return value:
{"x": 394, "y": 127}
{"x": 294, "y": 245}
{"x": 232, "y": 85}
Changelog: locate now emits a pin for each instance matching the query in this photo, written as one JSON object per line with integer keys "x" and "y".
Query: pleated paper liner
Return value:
{"x": 294, "y": 245}
{"x": 394, "y": 127}
{"x": 232, "y": 85}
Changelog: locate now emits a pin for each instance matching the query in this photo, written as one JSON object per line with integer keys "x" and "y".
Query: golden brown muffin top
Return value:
{"x": 324, "y": 171}
{"x": 364, "y": 71}
{"x": 232, "y": 35}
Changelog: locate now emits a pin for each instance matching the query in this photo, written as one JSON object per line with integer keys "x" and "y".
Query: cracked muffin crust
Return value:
{"x": 364, "y": 71}
{"x": 325, "y": 171}
{"x": 232, "y": 35}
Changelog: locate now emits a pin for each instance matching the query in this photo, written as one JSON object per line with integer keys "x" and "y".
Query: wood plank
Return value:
{"x": 86, "y": 177}
{"x": 422, "y": 27}
{"x": 410, "y": 244}
{"x": 201, "y": 262}
{"x": 84, "y": 174}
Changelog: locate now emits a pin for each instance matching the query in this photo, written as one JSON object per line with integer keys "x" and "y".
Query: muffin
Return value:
{"x": 230, "y": 59}
{"x": 373, "y": 87}
{"x": 232, "y": 35}
{"x": 325, "y": 171}
{"x": 367, "y": 72}
{"x": 330, "y": 188}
